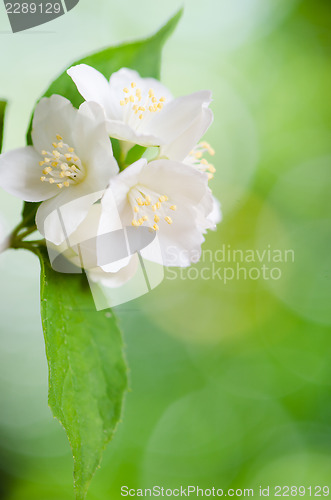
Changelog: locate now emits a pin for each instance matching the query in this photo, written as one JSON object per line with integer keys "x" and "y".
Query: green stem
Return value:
{"x": 27, "y": 246}
{"x": 18, "y": 234}
{"x": 27, "y": 232}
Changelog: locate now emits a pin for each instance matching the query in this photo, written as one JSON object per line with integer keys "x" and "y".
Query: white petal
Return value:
{"x": 176, "y": 180}
{"x": 93, "y": 86}
{"x": 93, "y": 146}
{"x": 59, "y": 217}
{"x": 215, "y": 215}
{"x": 177, "y": 116}
{"x": 20, "y": 174}
{"x": 210, "y": 213}
{"x": 114, "y": 280}
{"x": 116, "y": 193}
{"x": 52, "y": 116}
{"x": 125, "y": 76}
{"x": 182, "y": 145}
{"x": 181, "y": 241}
{"x": 124, "y": 132}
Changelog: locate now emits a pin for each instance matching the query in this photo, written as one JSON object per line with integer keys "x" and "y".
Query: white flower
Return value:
{"x": 171, "y": 198}
{"x": 71, "y": 157}
{"x": 143, "y": 111}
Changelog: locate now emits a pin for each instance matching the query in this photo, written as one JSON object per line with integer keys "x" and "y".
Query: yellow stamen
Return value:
{"x": 168, "y": 219}
{"x": 156, "y": 227}
{"x": 173, "y": 207}
{"x": 126, "y": 90}
{"x": 156, "y": 218}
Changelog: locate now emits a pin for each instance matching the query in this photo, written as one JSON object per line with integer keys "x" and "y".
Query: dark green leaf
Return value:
{"x": 143, "y": 56}
{"x": 87, "y": 371}
{"x": 134, "y": 154}
{"x": 3, "y": 105}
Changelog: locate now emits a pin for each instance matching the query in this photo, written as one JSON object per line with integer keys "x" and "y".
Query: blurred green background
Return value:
{"x": 230, "y": 382}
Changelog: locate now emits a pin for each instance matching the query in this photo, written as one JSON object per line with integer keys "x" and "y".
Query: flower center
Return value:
{"x": 140, "y": 108}
{"x": 150, "y": 207}
{"x": 61, "y": 166}
{"x": 195, "y": 158}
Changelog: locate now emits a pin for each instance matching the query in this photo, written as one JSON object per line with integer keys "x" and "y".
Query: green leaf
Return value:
{"x": 144, "y": 56}
{"x": 3, "y": 105}
{"x": 87, "y": 371}
{"x": 134, "y": 154}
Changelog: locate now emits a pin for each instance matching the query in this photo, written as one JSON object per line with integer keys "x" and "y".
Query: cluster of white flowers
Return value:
{"x": 71, "y": 166}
